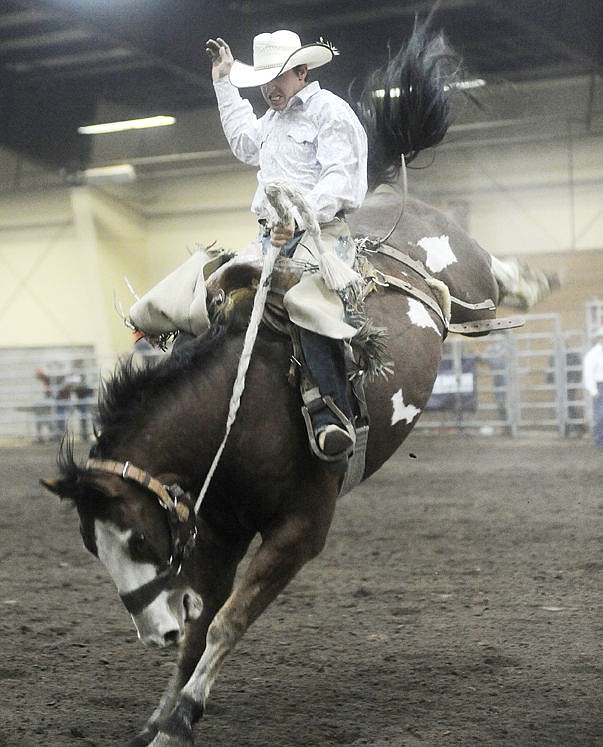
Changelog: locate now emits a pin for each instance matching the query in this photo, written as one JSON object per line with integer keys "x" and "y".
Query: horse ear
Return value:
{"x": 58, "y": 487}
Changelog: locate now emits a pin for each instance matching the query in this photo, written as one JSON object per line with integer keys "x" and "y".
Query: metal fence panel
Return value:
{"x": 502, "y": 383}
{"x": 524, "y": 379}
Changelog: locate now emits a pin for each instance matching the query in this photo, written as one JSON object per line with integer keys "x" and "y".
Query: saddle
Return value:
{"x": 231, "y": 290}
{"x": 230, "y": 294}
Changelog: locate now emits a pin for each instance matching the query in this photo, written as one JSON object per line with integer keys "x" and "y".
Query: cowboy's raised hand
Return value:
{"x": 221, "y": 57}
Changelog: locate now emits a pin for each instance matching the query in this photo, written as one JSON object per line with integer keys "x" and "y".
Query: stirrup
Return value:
{"x": 333, "y": 440}
{"x": 313, "y": 402}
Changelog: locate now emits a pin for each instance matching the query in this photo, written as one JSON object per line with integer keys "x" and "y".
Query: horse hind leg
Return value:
{"x": 520, "y": 285}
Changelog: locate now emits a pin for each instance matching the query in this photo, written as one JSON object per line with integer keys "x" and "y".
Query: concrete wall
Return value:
{"x": 65, "y": 249}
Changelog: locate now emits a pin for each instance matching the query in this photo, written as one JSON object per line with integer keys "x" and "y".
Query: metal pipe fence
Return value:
{"x": 43, "y": 391}
{"x": 506, "y": 382}
{"x": 512, "y": 381}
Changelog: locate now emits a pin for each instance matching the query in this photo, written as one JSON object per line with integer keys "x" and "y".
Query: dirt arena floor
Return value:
{"x": 458, "y": 602}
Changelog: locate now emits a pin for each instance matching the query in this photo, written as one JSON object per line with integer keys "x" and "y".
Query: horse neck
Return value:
{"x": 178, "y": 432}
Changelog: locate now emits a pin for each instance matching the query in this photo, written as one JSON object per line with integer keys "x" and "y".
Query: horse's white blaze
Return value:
{"x": 419, "y": 316}
{"x": 112, "y": 546}
{"x": 165, "y": 614}
{"x": 401, "y": 410}
{"x": 438, "y": 252}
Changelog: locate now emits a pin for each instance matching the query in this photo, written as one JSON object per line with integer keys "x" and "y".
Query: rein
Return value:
{"x": 402, "y": 204}
{"x": 375, "y": 244}
{"x": 181, "y": 523}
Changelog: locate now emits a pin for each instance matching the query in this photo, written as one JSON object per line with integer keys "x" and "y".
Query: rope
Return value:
{"x": 402, "y": 205}
{"x": 282, "y": 196}
{"x": 250, "y": 336}
{"x": 284, "y": 217}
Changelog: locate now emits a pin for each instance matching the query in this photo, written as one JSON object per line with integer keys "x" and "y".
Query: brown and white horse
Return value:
{"x": 159, "y": 429}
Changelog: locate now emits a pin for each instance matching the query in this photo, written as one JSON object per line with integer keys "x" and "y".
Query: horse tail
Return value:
{"x": 405, "y": 105}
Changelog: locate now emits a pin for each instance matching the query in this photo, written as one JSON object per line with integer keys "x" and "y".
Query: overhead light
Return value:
{"x": 128, "y": 124}
{"x": 461, "y": 85}
{"x": 465, "y": 85}
{"x": 379, "y": 93}
{"x": 120, "y": 174}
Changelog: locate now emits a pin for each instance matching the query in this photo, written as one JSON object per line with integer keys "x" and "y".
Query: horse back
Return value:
{"x": 428, "y": 235}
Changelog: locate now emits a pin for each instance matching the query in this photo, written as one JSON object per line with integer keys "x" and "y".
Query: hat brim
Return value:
{"x": 312, "y": 55}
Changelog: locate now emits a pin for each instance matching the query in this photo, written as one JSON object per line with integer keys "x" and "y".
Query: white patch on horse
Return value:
{"x": 112, "y": 546}
{"x": 401, "y": 410}
{"x": 438, "y": 252}
{"x": 419, "y": 316}
{"x": 161, "y": 622}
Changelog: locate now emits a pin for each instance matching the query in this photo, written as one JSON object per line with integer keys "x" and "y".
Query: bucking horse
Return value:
{"x": 159, "y": 427}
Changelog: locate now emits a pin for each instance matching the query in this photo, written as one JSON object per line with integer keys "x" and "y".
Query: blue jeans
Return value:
{"x": 325, "y": 358}
{"x": 598, "y": 417}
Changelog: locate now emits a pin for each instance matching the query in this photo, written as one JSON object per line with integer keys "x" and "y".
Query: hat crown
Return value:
{"x": 272, "y": 50}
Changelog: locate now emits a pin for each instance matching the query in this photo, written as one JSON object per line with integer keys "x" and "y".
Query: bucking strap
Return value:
{"x": 484, "y": 326}
{"x": 390, "y": 251}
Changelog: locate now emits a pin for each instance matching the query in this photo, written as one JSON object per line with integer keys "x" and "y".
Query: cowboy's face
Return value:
{"x": 278, "y": 92}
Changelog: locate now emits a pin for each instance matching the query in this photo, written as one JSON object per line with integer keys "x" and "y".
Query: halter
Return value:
{"x": 181, "y": 523}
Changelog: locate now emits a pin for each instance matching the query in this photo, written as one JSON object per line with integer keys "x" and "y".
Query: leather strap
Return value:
{"x": 412, "y": 291}
{"x": 417, "y": 266}
{"x": 128, "y": 471}
{"x": 483, "y": 326}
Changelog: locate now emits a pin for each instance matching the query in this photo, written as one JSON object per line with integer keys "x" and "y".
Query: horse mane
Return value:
{"x": 425, "y": 71}
{"x": 132, "y": 388}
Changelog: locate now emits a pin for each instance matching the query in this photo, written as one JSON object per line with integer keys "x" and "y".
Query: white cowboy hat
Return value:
{"x": 274, "y": 54}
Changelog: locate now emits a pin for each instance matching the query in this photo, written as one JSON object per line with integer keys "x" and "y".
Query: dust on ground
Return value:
{"x": 458, "y": 602}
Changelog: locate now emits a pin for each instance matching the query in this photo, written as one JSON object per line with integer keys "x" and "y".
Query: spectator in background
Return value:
{"x": 593, "y": 383}
{"x": 84, "y": 397}
{"x": 496, "y": 355}
{"x": 42, "y": 409}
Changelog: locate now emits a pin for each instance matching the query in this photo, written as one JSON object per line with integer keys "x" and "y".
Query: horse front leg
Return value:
{"x": 283, "y": 551}
{"x": 215, "y": 567}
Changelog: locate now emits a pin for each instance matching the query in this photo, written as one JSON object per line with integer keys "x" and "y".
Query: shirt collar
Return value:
{"x": 305, "y": 94}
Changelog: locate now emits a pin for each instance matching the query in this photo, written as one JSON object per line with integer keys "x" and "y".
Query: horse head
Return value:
{"x": 142, "y": 528}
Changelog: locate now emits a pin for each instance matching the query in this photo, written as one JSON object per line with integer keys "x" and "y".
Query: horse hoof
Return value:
{"x": 143, "y": 739}
{"x": 172, "y": 740}
{"x": 177, "y": 729}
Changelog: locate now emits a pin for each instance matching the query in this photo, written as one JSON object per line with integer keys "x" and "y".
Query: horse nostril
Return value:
{"x": 171, "y": 637}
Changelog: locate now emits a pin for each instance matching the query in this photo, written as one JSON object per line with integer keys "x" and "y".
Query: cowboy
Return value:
{"x": 312, "y": 138}
{"x": 592, "y": 371}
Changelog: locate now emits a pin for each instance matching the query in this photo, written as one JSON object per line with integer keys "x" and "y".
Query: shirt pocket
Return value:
{"x": 302, "y": 142}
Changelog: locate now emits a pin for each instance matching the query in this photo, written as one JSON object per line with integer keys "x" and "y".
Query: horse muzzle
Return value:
{"x": 163, "y": 622}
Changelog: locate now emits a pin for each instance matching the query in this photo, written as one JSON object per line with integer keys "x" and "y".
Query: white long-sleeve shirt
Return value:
{"x": 316, "y": 142}
{"x": 592, "y": 369}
